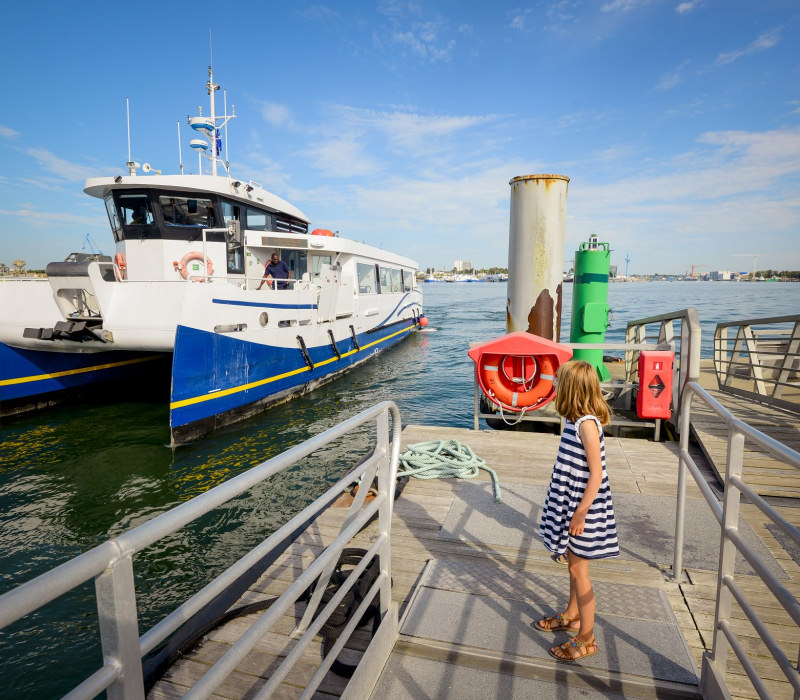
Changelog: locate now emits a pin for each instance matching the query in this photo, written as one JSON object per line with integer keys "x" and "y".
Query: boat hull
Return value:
{"x": 218, "y": 380}
{"x": 30, "y": 378}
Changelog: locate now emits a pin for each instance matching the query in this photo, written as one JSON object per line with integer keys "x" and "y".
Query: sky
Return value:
{"x": 401, "y": 123}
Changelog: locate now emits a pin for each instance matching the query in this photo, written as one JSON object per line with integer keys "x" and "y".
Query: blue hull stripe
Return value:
{"x": 213, "y": 374}
{"x": 31, "y": 372}
{"x": 262, "y": 304}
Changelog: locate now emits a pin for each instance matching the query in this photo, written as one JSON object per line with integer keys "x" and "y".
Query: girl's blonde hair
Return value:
{"x": 578, "y": 392}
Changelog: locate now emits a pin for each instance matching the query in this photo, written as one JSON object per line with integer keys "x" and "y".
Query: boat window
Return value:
{"x": 386, "y": 280}
{"x": 408, "y": 280}
{"x": 113, "y": 217}
{"x": 134, "y": 209}
{"x": 397, "y": 281}
{"x": 187, "y": 211}
{"x": 259, "y": 220}
{"x": 366, "y": 279}
{"x": 317, "y": 263}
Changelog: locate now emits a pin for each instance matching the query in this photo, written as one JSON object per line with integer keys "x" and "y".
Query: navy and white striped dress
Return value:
{"x": 567, "y": 485}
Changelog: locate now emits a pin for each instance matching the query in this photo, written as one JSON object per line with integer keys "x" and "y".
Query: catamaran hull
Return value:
{"x": 30, "y": 378}
{"x": 218, "y": 380}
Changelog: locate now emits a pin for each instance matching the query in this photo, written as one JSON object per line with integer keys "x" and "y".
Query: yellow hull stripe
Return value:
{"x": 268, "y": 380}
{"x": 82, "y": 370}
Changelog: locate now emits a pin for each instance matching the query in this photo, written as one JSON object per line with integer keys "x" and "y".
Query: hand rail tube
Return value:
{"x": 712, "y": 681}
{"x": 111, "y": 565}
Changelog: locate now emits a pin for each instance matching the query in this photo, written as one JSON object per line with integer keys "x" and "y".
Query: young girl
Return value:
{"x": 578, "y": 516}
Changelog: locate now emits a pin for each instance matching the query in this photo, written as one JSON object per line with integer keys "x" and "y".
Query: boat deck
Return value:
{"x": 470, "y": 576}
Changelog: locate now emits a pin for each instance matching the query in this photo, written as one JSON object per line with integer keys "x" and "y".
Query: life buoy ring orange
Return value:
{"x": 120, "y": 267}
{"x": 518, "y": 382}
{"x": 194, "y": 255}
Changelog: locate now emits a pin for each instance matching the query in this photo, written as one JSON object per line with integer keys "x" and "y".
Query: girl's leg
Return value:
{"x": 580, "y": 586}
{"x": 581, "y": 604}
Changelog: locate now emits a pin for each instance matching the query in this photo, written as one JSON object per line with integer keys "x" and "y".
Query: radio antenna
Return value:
{"x": 128, "y": 117}
{"x": 180, "y": 152}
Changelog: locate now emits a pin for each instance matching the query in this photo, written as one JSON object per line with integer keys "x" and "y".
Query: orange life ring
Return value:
{"x": 195, "y": 255}
{"x": 120, "y": 267}
{"x": 518, "y": 382}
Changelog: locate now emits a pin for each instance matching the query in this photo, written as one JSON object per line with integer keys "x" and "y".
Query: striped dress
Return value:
{"x": 567, "y": 485}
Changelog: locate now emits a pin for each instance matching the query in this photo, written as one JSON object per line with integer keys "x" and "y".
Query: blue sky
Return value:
{"x": 401, "y": 123}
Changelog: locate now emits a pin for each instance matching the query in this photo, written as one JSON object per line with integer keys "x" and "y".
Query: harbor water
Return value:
{"x": 76, "y": 475}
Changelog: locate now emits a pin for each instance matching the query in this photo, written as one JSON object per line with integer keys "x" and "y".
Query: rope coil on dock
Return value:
{"x": 445, "y": 459}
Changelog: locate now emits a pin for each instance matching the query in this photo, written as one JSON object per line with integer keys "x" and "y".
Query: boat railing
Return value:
{"x": 759, "y": 359}
{"x": 685, "y": 343}
{"x": 111, "y": 566}
{"x": 729, "y": 591}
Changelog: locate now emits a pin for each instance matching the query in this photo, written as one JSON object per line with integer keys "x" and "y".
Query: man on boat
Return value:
{"x": 276, "y": 269}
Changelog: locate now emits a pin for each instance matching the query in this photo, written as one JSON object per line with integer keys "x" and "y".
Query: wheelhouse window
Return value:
{"x": 386, "y": 280}
{"x": 367, "y": 279}
{"x": 134, "y": 209}
{"x": 113, "y": 217}
{"x": 187, "y": 211}
{"x": 397, "y": 281}
{"x": 408, "y": 281}
{"x": 258, "y": 220}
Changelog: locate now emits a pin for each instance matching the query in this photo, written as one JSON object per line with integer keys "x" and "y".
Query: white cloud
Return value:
{"x": 765, "y": 41}
{"x": 687, "y": 7}
{"x": 671, "y": 79}
{"x": 60, "y": 167}
{"x": 35, "y": 217}
{"x": 8, "y": 133}
{"x": 276, "y": 114}
{"x": 342, "y": 157}
{"x": 623, "y": 5}
{"x": 423, "y": 39}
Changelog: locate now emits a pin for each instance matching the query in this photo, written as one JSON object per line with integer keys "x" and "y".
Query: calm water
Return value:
{"x": 74, "y": 476}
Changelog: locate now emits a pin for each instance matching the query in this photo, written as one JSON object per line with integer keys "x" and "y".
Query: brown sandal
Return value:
{"x": 573, "y": 650}
{"x": 557, "y": 623}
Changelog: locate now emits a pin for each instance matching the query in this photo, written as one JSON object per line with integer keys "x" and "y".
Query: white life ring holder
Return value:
{"x": 195, "y": 255}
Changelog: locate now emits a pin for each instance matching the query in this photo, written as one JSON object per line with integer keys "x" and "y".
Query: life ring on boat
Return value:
{"x": 321, "y": 232}
{"x": 194, "y": 255}
{"x": 120, "y": 267}
{"x": 518, "y": 382}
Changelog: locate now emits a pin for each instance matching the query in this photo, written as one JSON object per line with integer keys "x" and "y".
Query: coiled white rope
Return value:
{"x": 444, "y": 459}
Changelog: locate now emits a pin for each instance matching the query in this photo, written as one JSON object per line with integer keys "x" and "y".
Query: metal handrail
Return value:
{"x": 111, "y": 565}
{"x": 686, "y": 346}
{"x": 758, "y": 364}
{"x": 712, "y": 681}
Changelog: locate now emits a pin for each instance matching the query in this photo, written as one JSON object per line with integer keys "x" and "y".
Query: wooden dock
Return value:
{"x": 470, "y": 576}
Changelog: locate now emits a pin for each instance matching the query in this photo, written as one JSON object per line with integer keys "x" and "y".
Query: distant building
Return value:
{"x": 462, "y": 265}
{"x": 720, "y": 275}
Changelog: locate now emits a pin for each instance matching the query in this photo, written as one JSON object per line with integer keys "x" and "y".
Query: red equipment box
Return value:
{"x": 655, "y": 384}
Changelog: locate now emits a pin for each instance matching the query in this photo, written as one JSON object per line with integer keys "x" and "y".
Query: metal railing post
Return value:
{"x": 727, "y": 549}
{"x": 119, "y": 628}
{"x": 680, "y": 502}
{"x": 386, "y": 485}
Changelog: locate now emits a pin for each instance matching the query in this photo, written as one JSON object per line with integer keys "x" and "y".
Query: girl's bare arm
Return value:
{"x": 590, "y": 437}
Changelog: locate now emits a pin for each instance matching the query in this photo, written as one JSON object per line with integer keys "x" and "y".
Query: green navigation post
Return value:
{"x": 590, "y": 308}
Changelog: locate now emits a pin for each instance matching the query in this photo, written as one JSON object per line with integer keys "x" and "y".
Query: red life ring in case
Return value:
{"x": 518, "y": 381}
{"x": 516, "y": 370}
{"x": 194, "y": 255}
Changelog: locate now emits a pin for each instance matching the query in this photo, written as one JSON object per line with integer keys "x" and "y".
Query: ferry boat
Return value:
{"x": 187, "y": 285}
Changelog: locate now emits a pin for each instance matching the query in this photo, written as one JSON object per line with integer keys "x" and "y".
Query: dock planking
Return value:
{"x": 523, "y": 461}
{"x": 765, "y": 474}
